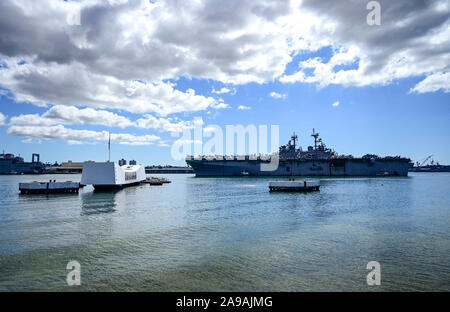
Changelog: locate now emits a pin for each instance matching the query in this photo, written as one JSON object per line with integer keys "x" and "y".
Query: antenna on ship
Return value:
{"x": 109, "y": 147}
{"x": 294, "y": 138}
{"x": 315, "y": 136}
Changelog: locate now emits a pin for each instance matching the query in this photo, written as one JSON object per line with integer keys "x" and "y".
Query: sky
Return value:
{"x": 368, "y": 80}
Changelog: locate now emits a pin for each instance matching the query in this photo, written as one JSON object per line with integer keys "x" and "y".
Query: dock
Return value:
{"x": 156, "y": 181}
{"x": 51, "y": 187}
{"x": 294, "y": 186}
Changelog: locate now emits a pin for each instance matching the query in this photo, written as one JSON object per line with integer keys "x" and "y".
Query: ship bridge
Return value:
{"x": 318, "y": 151}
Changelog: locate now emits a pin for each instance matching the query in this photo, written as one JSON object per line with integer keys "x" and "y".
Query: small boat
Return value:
{"x": 245, "y": 173}
{"x": 294, "y": 186}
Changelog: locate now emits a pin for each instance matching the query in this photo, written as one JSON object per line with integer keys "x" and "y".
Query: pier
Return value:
{"x": 50, "y": 187}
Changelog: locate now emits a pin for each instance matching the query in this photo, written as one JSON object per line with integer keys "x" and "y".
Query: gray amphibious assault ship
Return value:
{"x": 317, "y": 160}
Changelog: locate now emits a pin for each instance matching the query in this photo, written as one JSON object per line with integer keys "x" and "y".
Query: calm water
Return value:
{"x": 229, "y": 234}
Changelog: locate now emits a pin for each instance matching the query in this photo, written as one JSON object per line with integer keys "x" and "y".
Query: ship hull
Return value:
{"x": 333, "y": 167}
{"x": 430, "y": 169}
{"x": 8, "y": 167}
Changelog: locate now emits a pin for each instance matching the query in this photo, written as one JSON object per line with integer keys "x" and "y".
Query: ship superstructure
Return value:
{"x": 10, "y": 164}
{"x": 317, "y": 160}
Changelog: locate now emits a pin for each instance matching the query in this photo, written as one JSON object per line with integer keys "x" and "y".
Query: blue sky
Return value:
{"x": 59, "y": 99}
{"x": 382, "y": 120}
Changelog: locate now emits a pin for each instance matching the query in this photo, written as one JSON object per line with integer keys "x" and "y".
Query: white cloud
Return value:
{"x": 224, "y": 90}
{"x": 65, "y": 115}
{"x": 243, "y": 107}
{"x": 221, "y": 91}
{"x": 125, "y": 54}
{"x": 413, "y": 40}
{"x": 323, "y": 72}
{"x": 72, "y": 136}
{"x": 298, "y": 76}
{"x": 133, "y": 143}
{"x": 163, "y": 143}
{"x": 71, "y": 115}
{"x": 2, "y": 119}
{"x": 166, "y": 125}
{"x": 433, "y": 83}
{"x": 27, "y": 141}
{"x": 239, "y": 42}
{"x": 220, "y": 104}
{"x": 187, "y": 141}
{"x": 38, "y": 126}
{"x": 75, "y": 85}
{"x": 335, "y": 104}
{"x": 278, "y": 95}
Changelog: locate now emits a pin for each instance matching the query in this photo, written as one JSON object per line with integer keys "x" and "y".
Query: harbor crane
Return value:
{"x": 418, "y": 164}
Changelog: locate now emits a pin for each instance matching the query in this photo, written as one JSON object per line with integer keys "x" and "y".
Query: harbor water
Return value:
{"x": 229, "y": 234}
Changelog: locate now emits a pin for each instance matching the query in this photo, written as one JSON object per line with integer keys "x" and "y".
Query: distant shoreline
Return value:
{"x": 148, "y": 170}
{"x": 161, "y": 170}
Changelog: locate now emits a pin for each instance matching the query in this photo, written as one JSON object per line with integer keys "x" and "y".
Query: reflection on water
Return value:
{"x": 229, "y": 234}
{"x": 98, "y": 202}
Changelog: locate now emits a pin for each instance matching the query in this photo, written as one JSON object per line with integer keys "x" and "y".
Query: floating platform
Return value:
{"x": 165, "y": 181}
{"x": 50, "y": 187}
{"x": 156, "y": 181}
{"x": 294, "y": 186}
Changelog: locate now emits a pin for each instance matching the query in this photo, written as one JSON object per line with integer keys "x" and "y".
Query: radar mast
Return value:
{"x": 316, "y": 138}
{"x": 294, "y": 138}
